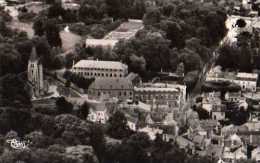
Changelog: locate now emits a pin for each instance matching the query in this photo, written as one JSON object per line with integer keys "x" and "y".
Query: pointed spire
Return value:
{"x": 34, "y": 55}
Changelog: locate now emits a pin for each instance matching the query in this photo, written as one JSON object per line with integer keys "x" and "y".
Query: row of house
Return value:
{"x": 247, "y": 81}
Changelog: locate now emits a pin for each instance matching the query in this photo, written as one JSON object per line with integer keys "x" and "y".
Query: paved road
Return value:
{"x": 206, "y": 68}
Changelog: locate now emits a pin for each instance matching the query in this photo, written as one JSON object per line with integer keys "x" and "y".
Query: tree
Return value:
{"x": 4, "y": 30}
{"x": 152, "y": 17}
{"x": 53, "y": 34}
{"x": 227, "y": 57}
{"x": 55, "y": 11}
{"x": 10, "y": 59}
{"x": 14, "y": 92}
{"x": 45, "y": 52}
{"x": 133, "y": 149}
{"x": 39, "y": 27}
{"x": 97, "y": 140}
{"x": 191, "y": 60}
{"x": 117, "y": 126}
{"x": 174, "y": 33}
{"x": 63, "y": 106}
{"x": 83, "y": 111}
{"x": 195, "y": 45}
{"x": 190, "y": 79}
{"x": 215, "y": 22}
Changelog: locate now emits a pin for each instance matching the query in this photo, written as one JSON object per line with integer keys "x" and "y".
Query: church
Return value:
{"x": 35, "y": 75}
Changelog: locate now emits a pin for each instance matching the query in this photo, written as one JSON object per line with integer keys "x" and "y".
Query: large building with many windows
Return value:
{"x": 100, "y": 69}
{"x": 161, "y": 95}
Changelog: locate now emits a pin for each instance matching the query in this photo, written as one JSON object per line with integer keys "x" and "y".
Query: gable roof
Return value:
{"x": 100, "y": 64}
{"x": 111, "y": 84}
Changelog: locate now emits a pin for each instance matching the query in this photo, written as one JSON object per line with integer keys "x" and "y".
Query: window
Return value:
{"x": 110, "y": 75}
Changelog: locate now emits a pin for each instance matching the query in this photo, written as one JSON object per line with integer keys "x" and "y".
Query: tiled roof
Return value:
{"x": 154, "y": 89}
{"x": 111, "y": 84}
{"x": 100, "y": 64}
{"x": 99, "y": 106}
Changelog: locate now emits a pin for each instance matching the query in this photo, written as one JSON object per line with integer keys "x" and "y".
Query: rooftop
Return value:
{"x": 111, "y": 84}
{"x": 155, "y": 89}
{"x": 247, "y": 75}
{"x": 100, "y": 64}
{"x": 217, "y": 73}
{"x": 101, "y": 42}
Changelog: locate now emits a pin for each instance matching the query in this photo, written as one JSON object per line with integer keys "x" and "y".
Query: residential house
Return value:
{"x": 218, "y": 113}
{"x": 138, "y": 105}
{"x": 151, "y": 131}
{"x": 132, "y": 119}
{"x": 185, "y": 144}
{"x": 98, "y": 113}
{"x": 199, "y": 142}
{"x": 212, "y": 127}
{"x": 211, "y": 101}
{"x": 214, "y": 151}
{"x": 230, "y": 155}
{"x": 250, "y": 137}
{"x": 233, "y": 96}
{"x": 226, "y": 131}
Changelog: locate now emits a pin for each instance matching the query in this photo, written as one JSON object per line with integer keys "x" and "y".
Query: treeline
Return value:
{"x": 175, "y": 32}
{"x": 242, "y": 55}
{"x": 50, "y": 136}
